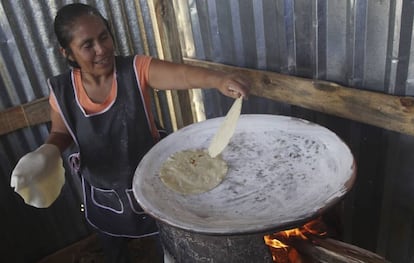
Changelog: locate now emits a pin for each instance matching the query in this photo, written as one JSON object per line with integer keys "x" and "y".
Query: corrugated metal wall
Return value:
{"x": 359, "y": 43}
{"x": 28, "y": 56}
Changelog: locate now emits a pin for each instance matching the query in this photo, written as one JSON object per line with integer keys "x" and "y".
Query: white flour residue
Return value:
{"x": 280, "y": 170}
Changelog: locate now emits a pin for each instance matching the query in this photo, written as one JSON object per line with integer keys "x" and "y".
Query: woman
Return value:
{"x": 102, "y": 105}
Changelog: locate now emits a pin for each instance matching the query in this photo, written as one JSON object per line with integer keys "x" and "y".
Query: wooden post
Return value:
{"x": 170, "y": 49}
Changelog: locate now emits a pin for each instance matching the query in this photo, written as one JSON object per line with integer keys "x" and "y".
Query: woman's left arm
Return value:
{"x": 164, "y": 75}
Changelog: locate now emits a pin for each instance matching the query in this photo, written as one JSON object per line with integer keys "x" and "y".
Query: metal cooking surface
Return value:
{"x": 282, "y": 171}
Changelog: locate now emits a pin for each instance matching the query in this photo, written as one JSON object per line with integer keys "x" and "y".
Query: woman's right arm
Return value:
{"x": 39, "y": 175}
{"x": 59, "y": 134}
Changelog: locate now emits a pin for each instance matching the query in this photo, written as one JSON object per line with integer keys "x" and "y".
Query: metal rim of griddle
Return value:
{"x": 185, "y": 213}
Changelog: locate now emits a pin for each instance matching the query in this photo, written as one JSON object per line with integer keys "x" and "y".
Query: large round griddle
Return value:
{"x": 283, "y": 171}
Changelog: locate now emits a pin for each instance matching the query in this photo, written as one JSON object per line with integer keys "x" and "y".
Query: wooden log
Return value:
{"x": 390, "y": 112}
{"x": 333, "y": 251}
{"x": 25, "y": 115}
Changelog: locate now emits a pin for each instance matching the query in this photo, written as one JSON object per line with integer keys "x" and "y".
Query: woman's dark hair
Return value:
{"x": 64, "y": 20}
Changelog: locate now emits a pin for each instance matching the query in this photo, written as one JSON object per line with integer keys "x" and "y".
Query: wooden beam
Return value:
{"x": 25, "y": 115}
{"x": 390, "y": 112}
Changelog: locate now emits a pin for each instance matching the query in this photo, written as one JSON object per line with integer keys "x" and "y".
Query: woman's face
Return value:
{"x": 92, "y": 46}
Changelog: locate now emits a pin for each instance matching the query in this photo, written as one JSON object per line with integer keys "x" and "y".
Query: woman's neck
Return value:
{"x": 97, "y": 87}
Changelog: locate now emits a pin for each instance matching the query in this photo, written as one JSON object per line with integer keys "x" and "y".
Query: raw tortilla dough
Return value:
{"x": 193, "y": 171}
{"x": 39, "y": 176}
{"x": 226, "y": 129}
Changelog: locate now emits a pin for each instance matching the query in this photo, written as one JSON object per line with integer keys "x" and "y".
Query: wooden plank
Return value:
{"x": 170, "y": 49}
{"x": 145, "y": 45}
{"x": 32, "y": 113}
{"x": 390, "y": 112}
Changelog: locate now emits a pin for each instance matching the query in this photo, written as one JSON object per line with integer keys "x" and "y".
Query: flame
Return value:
{"x": 273, "y": 242}
{"x": 280, "y": 249}
{"x": 315, "y": 227}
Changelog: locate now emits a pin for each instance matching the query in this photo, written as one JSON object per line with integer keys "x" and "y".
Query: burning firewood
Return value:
{"x": 308, "y": 244}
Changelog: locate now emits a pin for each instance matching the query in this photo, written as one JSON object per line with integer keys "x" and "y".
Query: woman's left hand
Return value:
{"x": 234, "y": 85}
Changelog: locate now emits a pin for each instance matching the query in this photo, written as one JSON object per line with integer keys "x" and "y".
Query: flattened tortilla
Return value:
{"x": 193, "y": 171}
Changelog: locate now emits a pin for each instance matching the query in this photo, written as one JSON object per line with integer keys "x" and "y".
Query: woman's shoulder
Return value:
{"x": 138, "y": 62}
{"x": 62, "y": 76}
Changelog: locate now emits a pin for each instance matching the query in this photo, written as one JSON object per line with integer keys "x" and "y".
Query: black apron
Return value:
{"x": 111, "y": 144}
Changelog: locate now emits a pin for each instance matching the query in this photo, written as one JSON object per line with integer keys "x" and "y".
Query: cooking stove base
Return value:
{"x": 188, "y": 247}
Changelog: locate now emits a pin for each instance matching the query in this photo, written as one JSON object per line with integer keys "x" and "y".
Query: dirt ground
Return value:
{"x": 89, "y": 250}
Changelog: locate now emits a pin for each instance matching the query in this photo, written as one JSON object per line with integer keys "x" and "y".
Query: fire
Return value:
{"x": 282, "y": 252}
{"x": 274, "y": 242}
